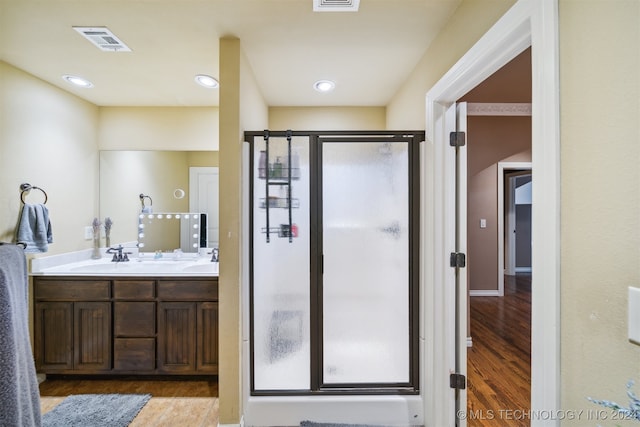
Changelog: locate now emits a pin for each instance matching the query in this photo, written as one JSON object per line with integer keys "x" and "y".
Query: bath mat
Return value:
{"x": 96, "y": 410}
{"x": 315, "y": 424}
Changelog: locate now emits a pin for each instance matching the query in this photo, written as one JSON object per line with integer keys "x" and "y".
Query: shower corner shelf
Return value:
{"x": 279, "y": 173}
{"x": 279, "y": 203}
{"x": 278, "y": 178}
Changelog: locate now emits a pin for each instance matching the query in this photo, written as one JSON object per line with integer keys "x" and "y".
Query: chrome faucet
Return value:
{"x": 215, "y": 255}
{"x": 118, "y": 254}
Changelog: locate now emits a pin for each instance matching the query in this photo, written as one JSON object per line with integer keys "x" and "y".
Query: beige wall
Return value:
{"x": 327, "y": 118}
{"x": 48, "y": 139}
{"x": 241, "y": 108}
{"x": 490, "y": 140}
{"x": 158, "y": 128}
{"x": 469, "y": 22}
{"x": 600, "y": 197}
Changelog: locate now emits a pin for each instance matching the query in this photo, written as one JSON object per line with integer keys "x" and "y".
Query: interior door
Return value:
{"x": 456, "y": 122}
{"x": 203, "y": 197}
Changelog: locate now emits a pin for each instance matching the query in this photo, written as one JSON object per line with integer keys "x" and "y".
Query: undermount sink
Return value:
{"x": 210, "y": 267}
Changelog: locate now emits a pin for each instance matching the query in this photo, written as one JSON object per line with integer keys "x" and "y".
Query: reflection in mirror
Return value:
{"x": 167, "y": 232}
{"x": 165, "y": 177}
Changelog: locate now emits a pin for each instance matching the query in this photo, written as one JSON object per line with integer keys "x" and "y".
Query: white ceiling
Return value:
{"x": 368, "y": 53}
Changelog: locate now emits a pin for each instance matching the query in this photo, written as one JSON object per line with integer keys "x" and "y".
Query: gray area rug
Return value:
{"x": 96, "y": 410}
{"x": 315, "y": 424}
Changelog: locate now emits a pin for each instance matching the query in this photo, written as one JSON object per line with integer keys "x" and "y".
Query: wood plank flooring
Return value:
{"x": 499, "y": 362}
{"x": 192, "y": 403}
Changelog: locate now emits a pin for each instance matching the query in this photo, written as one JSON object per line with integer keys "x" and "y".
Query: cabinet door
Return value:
{"x": 53, "y": 343}
{"x": 207, "y": 337}
{"x": 176, "y": 336}
{"x": 92, "y": 336}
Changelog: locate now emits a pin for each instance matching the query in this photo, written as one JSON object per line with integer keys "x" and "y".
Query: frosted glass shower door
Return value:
{"x": 280, "y": 262}
{"x": 365, "y": 246}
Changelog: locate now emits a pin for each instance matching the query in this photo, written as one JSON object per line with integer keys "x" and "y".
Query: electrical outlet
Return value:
{"x": 88, "y": 232}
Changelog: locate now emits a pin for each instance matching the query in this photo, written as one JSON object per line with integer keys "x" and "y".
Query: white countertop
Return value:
{"x": 81, "y": 264}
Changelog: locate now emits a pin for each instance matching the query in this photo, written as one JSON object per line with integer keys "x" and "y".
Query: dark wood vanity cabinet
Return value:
{"x": 126, "y": 325}
{"x": 72, "y": 326}
{"x": 134, "y": 326}
{"x": 188, "y": 325}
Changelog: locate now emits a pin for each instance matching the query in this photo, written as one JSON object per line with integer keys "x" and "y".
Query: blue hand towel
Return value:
{"x": 34, "y": 228}
{"x": 19, "y": 394}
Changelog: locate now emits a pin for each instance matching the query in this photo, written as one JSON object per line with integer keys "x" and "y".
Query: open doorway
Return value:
{"x": 499, "y": 313}
{"x": 516, "y": 210}
{"x": 525, "y": 24}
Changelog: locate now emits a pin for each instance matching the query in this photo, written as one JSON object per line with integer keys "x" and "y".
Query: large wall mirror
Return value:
{"x": 173, "y": 181}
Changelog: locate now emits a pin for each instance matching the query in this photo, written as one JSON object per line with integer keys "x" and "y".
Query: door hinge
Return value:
{"x": 458, "y": 259}
{"x": 457, "y": 139}
{"x": 457, "y": 381}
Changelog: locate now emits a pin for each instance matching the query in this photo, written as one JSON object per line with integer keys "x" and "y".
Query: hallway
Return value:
{"x": 499, "y": 362}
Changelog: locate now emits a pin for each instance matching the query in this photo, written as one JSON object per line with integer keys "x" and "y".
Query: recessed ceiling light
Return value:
{"x": 324, "y": 85}
{"x": 78, "y": 81}
{"x": 207, "y": 81}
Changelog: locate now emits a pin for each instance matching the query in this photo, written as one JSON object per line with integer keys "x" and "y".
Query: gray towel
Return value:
{"x": 19, "y": 393}
{"x": 34, "y": 228}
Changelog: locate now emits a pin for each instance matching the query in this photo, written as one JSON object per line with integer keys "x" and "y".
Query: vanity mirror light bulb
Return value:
{"x": 195, "y": 245}
{"x": 150, "y": 216}
{"x": 169, "y": 216}
{"x": 195, "y": 235}
{"x": 177, "y": 216}
{"x": 159, "y": 216}
{"x": 195, "y": 225}
{"x": 141, "y": 245}
{"x": 141, "y": 235}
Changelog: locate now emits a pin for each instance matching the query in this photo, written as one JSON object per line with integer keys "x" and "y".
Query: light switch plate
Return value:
{"x": 634, "y": 315}
{"x": 88, "y": 232}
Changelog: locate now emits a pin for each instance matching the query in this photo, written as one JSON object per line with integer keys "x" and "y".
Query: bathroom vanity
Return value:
{"x": 136, "y": 319}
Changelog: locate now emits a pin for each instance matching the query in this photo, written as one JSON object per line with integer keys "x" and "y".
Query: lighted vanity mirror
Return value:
{"x": 168, "y": 232}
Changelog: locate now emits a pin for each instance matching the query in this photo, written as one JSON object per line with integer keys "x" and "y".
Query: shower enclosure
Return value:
{"x": 334, "y": 262}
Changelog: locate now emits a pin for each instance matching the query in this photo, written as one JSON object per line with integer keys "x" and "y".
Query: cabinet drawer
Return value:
{"x": 134, "y": 319}
{"x": 188, "y": 290}
{"x": 134, "y": 354}
{"x": 133, "y": 289}
{"x": 72, "y": 290}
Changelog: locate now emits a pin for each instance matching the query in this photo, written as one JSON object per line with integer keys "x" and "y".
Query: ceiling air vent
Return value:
{"x": 103, "y": 38}
{"x": 336, "y": 5}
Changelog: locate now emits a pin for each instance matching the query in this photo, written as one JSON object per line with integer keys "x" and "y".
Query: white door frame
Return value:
{"x": 528, "y": 23}
{"x": 505, "y": 245}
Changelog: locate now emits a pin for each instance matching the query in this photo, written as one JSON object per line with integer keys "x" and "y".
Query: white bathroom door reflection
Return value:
{"x": 365, "y": 285}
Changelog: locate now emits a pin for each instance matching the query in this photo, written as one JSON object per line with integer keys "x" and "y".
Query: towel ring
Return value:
{"x": 28, "y": 187}
{"x": 144, "y": 196}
